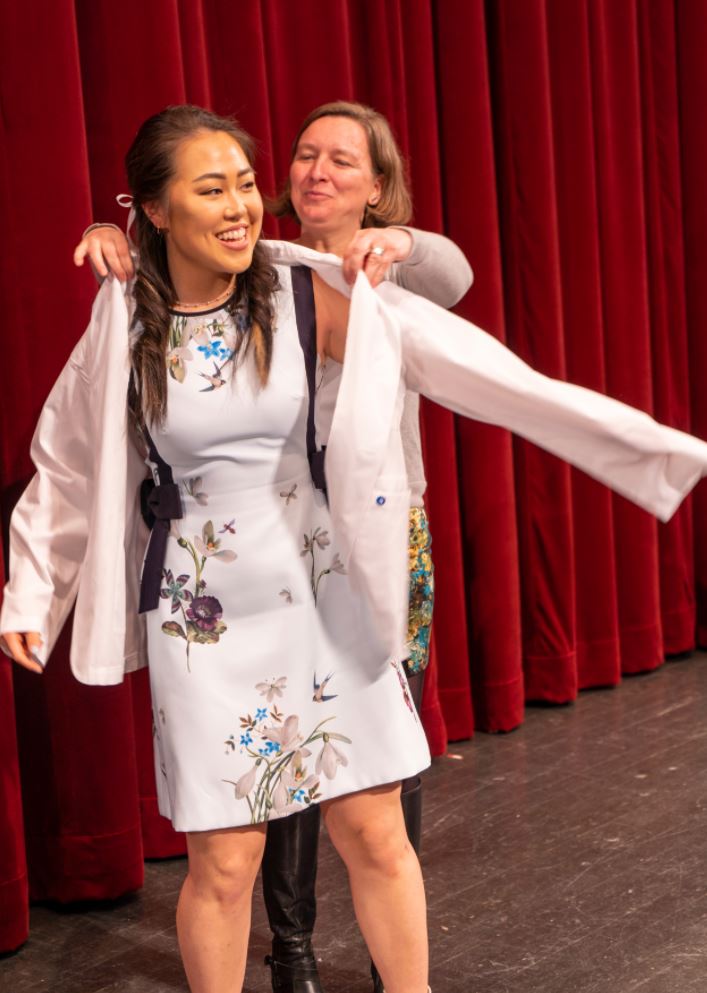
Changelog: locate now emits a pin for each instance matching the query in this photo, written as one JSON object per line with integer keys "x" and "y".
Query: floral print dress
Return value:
{"x": 268, "y": 693}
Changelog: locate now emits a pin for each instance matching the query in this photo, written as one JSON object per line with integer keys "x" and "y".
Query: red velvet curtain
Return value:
{"x": 561, "y": 144}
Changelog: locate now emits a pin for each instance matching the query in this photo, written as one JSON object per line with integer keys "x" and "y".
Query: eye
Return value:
{"x": 214, "y": 190}
{"x": 305, "y": 156}
{"x": 248, "y": 186}
{"x": 341, "y": 162}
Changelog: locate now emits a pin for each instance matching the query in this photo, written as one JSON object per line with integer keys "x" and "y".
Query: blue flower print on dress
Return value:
{"x": 215, "y": 350}
{"x": 280, "y": 780}
{"x": 270, "y": 748}
{"x": 217, "y": 339}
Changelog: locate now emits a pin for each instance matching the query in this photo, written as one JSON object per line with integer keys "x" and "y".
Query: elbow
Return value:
{"x": 468, "y": 278}
{"x": 462, "y": 284}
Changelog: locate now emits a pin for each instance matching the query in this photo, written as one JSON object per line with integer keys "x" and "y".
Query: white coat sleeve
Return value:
{"x": 49, "y": 525}
{"x": 467, "y": 370}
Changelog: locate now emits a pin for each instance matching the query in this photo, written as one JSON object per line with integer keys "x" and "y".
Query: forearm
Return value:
{"x": 435, "y": 269}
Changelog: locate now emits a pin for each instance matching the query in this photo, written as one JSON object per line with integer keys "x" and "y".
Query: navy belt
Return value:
{"x": 305, "y": 315}
{"x": 160, "y": 504}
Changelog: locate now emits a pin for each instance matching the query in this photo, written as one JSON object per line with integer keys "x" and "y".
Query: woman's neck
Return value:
{"x": 331, "y": 242}
{"x": 194, "y": 286}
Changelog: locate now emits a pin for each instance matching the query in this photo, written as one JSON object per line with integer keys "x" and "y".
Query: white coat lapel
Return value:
{"x": 368, "y": 409}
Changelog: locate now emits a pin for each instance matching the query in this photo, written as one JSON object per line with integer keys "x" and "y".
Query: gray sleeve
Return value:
{"x": 435, "y": 269}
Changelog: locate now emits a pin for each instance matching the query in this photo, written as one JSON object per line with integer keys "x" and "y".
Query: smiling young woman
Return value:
{"x": 233, "y": 497}
{"x": 347, "y": 188}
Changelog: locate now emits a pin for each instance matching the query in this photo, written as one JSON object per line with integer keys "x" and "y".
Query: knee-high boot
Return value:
{"x": 411, "y": 800}
{"x": 289, "y": 877}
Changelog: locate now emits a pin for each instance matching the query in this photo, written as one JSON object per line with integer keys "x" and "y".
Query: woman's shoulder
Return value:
{"x": 104, "y": 343}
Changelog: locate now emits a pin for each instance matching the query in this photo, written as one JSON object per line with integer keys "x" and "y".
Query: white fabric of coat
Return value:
{"x": 77, "y": 530}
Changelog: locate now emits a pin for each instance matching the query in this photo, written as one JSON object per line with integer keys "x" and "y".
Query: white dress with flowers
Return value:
{"x": 268, "y": 693}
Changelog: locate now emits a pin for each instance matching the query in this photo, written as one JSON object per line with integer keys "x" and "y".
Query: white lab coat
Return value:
{"x": 77, "y": 532}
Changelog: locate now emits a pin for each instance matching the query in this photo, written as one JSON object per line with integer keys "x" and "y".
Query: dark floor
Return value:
{"x": 567, "y": 857}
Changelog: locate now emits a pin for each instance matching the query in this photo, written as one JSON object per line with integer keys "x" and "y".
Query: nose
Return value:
{"x": 235, "y": 205}
{"x": 317, "y": 169}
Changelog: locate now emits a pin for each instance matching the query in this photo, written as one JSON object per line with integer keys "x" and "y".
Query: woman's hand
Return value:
{"x": 21, "y": 646}
{"x": 395, "y": 243}
{"x": 107, "y": 248}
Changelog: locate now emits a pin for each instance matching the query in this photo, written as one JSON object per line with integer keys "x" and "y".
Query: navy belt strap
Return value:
{"x": 160, "y": 504}
{"x": 307, "y": 330}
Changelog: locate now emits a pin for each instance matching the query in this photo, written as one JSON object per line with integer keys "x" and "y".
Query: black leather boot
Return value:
{"x": 289, "y": 878}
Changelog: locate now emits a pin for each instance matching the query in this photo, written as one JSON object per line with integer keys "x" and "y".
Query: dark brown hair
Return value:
{"x": 150, "y": 166}
{"x": 395, "y": 204}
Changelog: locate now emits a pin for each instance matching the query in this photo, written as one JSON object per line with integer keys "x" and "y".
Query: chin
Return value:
{"x": 314, "y": 216}
{"x": 239, "y": 264}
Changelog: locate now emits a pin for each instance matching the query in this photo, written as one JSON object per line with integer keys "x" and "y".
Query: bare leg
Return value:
{"x": 213, "y": 913}
{"x": 368, "y": 831}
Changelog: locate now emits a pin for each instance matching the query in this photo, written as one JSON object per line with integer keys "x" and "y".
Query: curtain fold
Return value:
{"x": 561, "y": 144}
{"x": 690, "y": 18}
{"x": 598, "y": 651}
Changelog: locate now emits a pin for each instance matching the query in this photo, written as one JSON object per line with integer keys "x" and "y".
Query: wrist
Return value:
{"x": 407, "y": 242}
{"x": 99, "y": 224}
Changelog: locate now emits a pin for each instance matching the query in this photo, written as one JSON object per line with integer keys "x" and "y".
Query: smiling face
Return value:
{"x": 332, "y": 178}
{"x": 211, "y": 215}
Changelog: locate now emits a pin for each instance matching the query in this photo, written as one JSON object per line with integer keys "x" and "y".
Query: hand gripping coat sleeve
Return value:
{"x": 49, "y": 528}
{"x": 467, "y": 370}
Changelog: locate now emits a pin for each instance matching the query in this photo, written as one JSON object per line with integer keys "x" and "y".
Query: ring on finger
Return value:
{"x": 378, "y": 250}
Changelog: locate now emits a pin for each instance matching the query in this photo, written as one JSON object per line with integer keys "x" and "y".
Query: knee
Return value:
{"x": 224, "y": 877}
{"x": 381, "y": 848}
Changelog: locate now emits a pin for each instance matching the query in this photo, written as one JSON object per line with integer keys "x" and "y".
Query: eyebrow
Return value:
{"x": 222, "y": 176}
{"x": 339, "y": 150}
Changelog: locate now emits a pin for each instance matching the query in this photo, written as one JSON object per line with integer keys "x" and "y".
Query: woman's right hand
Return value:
{"x": 107, "y": 248}
{"x": 21, "y": 646}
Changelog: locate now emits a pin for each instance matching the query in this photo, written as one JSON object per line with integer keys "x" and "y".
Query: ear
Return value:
{"x": 157, "y": 214}
{"x": 376, "y": 193}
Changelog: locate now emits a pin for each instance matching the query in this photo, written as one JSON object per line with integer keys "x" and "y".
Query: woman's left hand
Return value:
{"x": 395, "y": 243}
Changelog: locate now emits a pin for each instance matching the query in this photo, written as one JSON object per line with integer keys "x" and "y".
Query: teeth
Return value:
{"x": 236, "y": 235}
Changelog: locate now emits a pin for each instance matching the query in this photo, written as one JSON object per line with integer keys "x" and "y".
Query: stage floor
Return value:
{"x": 567, "y": 857}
